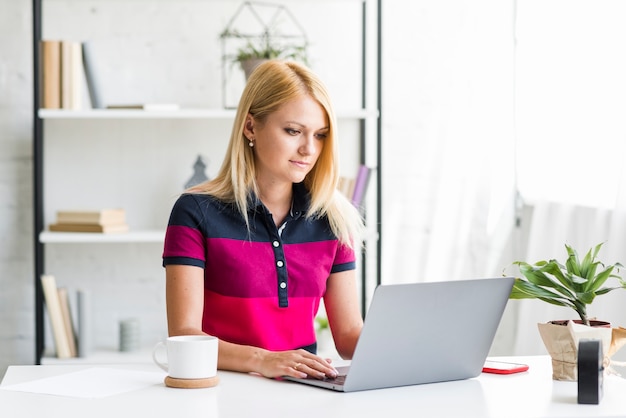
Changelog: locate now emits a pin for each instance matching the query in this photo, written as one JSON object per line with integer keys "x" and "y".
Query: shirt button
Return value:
{"x": 283, "y": 285}
{"x": 275, "y": 243}
{"x": 279, "y": 263}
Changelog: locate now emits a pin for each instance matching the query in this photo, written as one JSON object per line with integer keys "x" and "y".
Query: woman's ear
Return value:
{"x": 248, "y": 126}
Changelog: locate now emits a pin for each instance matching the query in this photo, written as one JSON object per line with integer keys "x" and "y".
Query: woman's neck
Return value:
{"x": 277, "y": 200}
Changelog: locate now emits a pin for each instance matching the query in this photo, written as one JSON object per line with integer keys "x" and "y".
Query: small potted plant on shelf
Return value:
{"x": 256, "y": 32}
{"x": 574, "y": 285}
{"x": 265, "y": 47}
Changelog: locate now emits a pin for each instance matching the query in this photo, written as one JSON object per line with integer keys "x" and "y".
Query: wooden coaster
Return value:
{"x": 209, "y": 382}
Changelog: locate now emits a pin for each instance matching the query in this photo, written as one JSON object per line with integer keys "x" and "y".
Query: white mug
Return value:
{"x": 188, "y": 356}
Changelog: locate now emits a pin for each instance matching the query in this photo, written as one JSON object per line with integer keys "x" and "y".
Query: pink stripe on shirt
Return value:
{"x": 245, "y": 320}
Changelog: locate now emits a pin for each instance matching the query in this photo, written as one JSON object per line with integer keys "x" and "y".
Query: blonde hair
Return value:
{"x": 272, "y": 84}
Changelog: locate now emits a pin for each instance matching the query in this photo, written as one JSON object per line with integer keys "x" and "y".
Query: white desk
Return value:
{"x": 530, "y": 394}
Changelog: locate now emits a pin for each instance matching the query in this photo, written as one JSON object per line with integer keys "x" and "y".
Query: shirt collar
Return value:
{"x": 300, "y": 201}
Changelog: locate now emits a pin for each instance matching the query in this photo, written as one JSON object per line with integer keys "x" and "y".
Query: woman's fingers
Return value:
{"x": 315, "y": 366}
{"x": 297, "y": 363}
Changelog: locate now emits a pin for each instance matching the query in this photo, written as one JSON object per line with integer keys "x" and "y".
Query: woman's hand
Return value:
{"x": 296, "y": 363}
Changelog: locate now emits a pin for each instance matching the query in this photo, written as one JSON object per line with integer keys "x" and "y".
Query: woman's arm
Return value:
{"x": 184, "y": 296}
{"x": 342, "y": 307}
{"x": 185, "y": 304}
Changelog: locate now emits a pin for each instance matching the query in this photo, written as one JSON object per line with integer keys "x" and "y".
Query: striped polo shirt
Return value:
{"x": 262, "y": 287}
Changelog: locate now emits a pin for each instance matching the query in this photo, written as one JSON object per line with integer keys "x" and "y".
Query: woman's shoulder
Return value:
{"x": 196, "y": 208}
{"x": 199, "y": 201}
{"x": 201, "y": 197}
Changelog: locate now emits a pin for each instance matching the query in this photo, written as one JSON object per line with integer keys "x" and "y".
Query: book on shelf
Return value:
{"x": 85, "y": 227}
{"x": 354, "y": 188}
{"x": 50, "y": 73}
{"x": 360, "y": 185}
{"x": 71, "y": 74}
{"x": 100, "y": 217}
{"x": 53, "y": 306}
{"x": 146, "y": 106}
{"x": 91, "y": 75}
{"x": 68, "y": 323}
{"x": 85, "y": 323}
{"x": 346, "y": 186}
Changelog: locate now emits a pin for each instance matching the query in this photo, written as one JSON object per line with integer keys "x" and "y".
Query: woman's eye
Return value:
{"x": 291, "y": 131}
{"x": 323, "y": 135}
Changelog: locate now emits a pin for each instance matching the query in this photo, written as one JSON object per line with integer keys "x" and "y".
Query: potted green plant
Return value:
{"x": 266, "y": 47}
{"x": 574, "y": 284}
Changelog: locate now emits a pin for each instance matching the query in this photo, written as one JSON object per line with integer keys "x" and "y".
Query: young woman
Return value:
{"x": 250, "y": 254}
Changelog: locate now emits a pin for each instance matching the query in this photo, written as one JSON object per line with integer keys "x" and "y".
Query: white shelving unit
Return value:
{"x": 58, "y": 138}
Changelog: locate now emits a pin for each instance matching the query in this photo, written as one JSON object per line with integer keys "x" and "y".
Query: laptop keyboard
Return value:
{"x": 339, "y": 380}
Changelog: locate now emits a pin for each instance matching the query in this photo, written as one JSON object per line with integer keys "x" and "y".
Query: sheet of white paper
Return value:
{"x": 94, "y": 382}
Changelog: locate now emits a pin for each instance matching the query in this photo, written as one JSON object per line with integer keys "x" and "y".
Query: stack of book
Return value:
{"x": 103, "y": 220}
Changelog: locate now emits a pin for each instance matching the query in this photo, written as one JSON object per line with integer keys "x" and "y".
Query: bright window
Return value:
{"x": 571, "y": 100}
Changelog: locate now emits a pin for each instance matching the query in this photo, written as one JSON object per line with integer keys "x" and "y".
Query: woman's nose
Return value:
{"x": 308, "y": 145}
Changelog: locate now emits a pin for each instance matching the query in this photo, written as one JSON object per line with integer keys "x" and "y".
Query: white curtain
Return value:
{"x": 448, "y": 138}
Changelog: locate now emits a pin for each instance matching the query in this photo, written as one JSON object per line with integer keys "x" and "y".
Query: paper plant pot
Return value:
{"x": 561, "y": 341}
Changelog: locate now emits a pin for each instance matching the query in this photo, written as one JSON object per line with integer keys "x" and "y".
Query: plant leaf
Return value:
{"x": 573, "y": 266}
{"x": 527, "y": 290}
{"x": 585, "y": 265}
{"x": 600, "y": 279}
{"x": 562, "y": 283}
{"x": 585, "y": 297}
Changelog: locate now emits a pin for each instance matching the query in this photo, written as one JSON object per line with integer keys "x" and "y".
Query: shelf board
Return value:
{"x": 184, "y": 113}
{"x": 137, "y": 114}
{"x": 156, "y": 236}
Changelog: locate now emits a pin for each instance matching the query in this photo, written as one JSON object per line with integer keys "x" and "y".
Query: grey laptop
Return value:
{"x": 423, "y": 333}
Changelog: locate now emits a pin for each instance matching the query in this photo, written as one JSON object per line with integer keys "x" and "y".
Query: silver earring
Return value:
{"x": 251, "y": 144}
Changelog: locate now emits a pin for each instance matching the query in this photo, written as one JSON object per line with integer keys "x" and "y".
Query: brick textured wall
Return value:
{"x": 16, "y": 295}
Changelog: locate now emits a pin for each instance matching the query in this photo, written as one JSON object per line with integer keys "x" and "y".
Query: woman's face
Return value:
{"x": 288, "y": 144}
